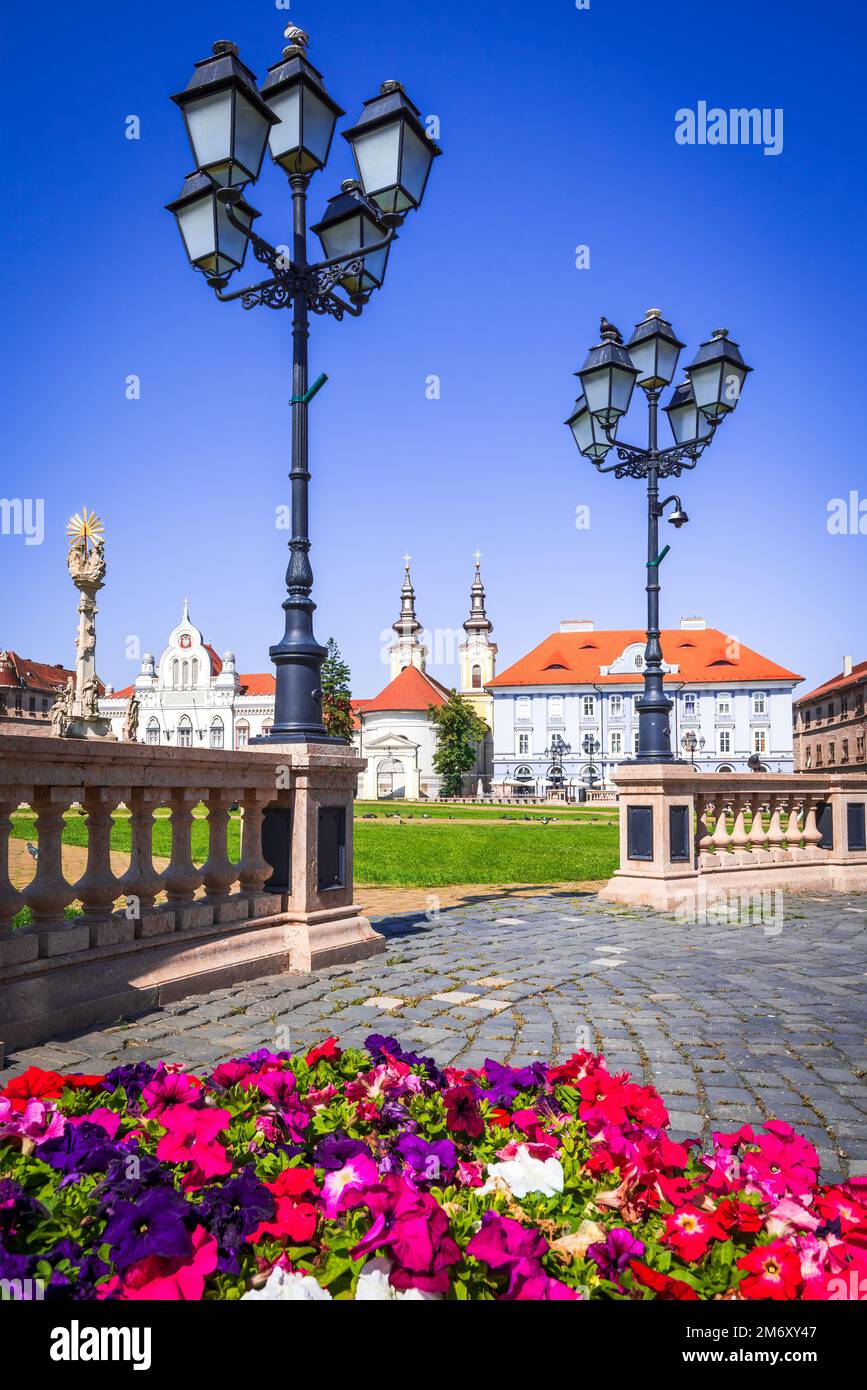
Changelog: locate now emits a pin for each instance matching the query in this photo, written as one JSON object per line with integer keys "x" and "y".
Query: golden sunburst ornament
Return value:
{"x": 85, "y": 527}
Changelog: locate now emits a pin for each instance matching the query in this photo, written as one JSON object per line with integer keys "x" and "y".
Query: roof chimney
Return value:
{"x": 847, "y": 665}
{"x": 693, "y": 624}
{"x": 576, "y": 625}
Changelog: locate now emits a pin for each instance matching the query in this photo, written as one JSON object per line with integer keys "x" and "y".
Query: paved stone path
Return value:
{"x": 730, "y": 1022}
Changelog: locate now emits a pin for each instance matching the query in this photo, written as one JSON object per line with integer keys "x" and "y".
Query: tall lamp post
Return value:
{"x": 557, "y": 750}
{"x": 711, "y": 391}
{"x": 229, "y": 122}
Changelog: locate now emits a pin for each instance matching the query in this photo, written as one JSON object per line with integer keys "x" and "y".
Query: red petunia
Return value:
{"x": 689, "y": 1232}
{"x": 462, "y": 1112}
{"x": 773, "y": 1271}
{"x": 294, "y": 1219}
{"x": 327, "y": 1051}
{"x": 33, "y": 1084}
{"x": 664, "y": 1287}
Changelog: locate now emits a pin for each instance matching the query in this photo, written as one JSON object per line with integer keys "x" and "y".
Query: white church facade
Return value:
{"x": 192, "y": 698}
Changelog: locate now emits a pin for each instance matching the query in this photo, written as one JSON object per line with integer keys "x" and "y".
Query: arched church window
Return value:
{"x": 217, "y": 734}
{"x": 242, "y": 735}
{"x": 185, "y": 731}
{"x": 175, "y": 673}
{"x": 477, "y": 678}
{"x": 152, "y": 732}
{"x": 185, "y": 674}
{"x": 195, "y": 670}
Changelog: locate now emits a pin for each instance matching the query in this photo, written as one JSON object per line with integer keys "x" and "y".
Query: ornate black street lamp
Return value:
{"x": 229, "y": 124}
{"x": 557, "y": 750}
{"x": 712, "y": 390}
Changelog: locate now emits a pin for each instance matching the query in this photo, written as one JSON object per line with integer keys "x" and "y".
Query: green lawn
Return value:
{"x": 419, "y": 853}
{"x": 433, "y": 810}
{"x": 433, "y": 856}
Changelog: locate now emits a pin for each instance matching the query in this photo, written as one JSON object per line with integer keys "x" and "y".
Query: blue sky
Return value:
{"x": 558, "y": 130}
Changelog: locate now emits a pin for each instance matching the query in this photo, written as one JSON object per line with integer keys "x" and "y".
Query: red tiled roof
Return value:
{"x": 122, "y": 694}
{"x": 33, "y": 675}
{"x": 259, "y": 683}
{"x": 840, "y": 682}
{"x": 216, "y": 663}
{"x": 575, "y": 658}
{"x": 411, "y": 690}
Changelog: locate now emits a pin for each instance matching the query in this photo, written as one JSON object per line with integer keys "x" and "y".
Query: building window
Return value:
{"x": 555, "y": 709}
{"x": 524, "y": 709}
{"x": 195, "y": 670}
{"x": 807, "y": 717}
{"x": 760, "y": 704}
{"x": 760, "y": 741}
{"x": 31, "y": 704}
{"x": 818, "y": 755}
{"x": 844, "y": 756}
{"x": 724, "y": 744}
{"x": 832, "y": 753}
{"x": 690, "y": 706}
{"x": 175, "y": 670}
{"x": 615, "y": 706}
{"x": 477, "y": 678}
{"x": 523, "y": 747}
{"x": 808, "y": 758}
{"x": 635, "y": 743}
{"x": 185, "y": 731}
{"x": 588, "y": 706}
{"x": 242, "y": 735}
{"x": 217, "y": 734}
{"x": 615, "y": 743}
{"x": 830, "y": 709}
{"x": 724, "y": 705}
{"x": 639, "y": 662}
{"x": 266, "y": 729}
{"x": 152, "y": 732}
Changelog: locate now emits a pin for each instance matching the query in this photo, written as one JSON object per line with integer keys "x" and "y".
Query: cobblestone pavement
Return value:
{"x": 731, "y": 1023}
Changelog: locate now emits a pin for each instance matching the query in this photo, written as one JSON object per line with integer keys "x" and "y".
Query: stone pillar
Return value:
{"x": 328, "y": 925}
{"x": 218, "y": 871}
{"x": 141, "y": 883}
{"x": 49, "y": 893}
{"x": 253, "y": 868}
{"x": 657, "y": 836}
{"x": 98, "y": 887}
{"x": 182, "y": 878}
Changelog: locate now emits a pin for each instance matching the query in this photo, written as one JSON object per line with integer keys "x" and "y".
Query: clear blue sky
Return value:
{"x": 558, "y": 130}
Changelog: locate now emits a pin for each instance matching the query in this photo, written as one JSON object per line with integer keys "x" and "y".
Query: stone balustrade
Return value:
{"x": 148, "y": 934}
{"x": 681, "y": 830}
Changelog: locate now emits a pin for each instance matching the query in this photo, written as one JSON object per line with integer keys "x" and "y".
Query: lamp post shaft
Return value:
{"x": 298, "y": 656}
{"x": 654, "y": 707}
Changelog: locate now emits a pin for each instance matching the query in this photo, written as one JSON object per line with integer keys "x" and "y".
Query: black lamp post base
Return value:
{"x": 313, "y": 735}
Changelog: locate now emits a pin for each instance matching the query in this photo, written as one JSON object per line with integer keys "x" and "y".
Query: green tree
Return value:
{"x": 336, "y": 694}
{"x": 459, "y": 732}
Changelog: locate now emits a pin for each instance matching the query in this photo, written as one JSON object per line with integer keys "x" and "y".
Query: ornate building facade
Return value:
{"x": 830, "y": 724}
{"x": 28, "y": 689}
{"x": 192, "y": 698}
{"x": 730, "y": 704}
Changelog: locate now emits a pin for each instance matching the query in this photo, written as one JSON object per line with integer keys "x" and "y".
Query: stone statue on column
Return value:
{"x": 86, "y": 562}
{"x": 130, "y": 731}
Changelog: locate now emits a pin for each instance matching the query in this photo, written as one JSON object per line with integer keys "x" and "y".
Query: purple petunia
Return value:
{"x": 83, "y": 1148}
{"x": 431, "y": 1161}
{"x": 155, "y": 1224}
{"x": 335, "y": 1150}
{"x": 506, "y": 1082}
{"x": 131, "y": 1078}
{"x": 614, "y": 1253}
{"x": 232, "y": 1212}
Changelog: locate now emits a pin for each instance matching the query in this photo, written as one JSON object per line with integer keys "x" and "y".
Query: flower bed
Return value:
{"x": 380, "y": 1176}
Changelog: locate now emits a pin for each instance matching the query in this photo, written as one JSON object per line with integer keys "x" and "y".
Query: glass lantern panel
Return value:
{"x": 666, "y": 363}
{"x": 342, "y": 238}
{"x": 251, "y": 132}
{"x": 622, "y": 384}
{"x": 319, "y": 122}
{"x": 644, "y": 358}
{"x": 706, "y": 384}
{"x": 377, "y": 156}
{"x": 595, "y": 384}
{"x": 417, "y": 158}
{"x": 232, "y": 243}
{"x": 196, "y": 222}
{"x": 209, "y": 124}
{"x": 285, "y": 137}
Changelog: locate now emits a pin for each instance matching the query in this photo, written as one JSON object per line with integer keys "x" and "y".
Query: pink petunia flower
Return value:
{"x": 347, "y": 1186}
{"x": 191, "y": 1137}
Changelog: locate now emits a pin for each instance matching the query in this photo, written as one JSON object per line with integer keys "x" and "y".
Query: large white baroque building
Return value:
{"x": 192, "y": 698}
{"x": 730, "y": 703}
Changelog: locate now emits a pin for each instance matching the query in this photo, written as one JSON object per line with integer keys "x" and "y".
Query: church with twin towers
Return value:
{"x": 394, "y": 731}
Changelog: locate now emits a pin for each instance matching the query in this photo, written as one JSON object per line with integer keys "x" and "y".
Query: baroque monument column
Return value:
{"x": 76, "y": 713}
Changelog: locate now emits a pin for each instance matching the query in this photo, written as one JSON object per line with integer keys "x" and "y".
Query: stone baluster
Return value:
{"x": 703, "y": 838}
{"x": 758, "y": 833}
{"x": 49, "y": 893}
{"x": 721, "y": 837}
{"x": 740, "y": 840}
{"x": 776, "y": 834}
{"x": 254, "y": 868}
{"x": 11, "y": 900}
{"x": 794, "y": 830}
{"x": 182, "y": 878}
{"x": 141, "y": 883}
{"x": 812, "y": 833}
{"x": 98, "y": 887}
{"x": 218, "y": 871}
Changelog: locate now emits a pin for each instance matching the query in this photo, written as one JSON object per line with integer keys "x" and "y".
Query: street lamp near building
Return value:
{"x": 557, "y": 750}
{"x": 711, "y": 391}
{"x": 229, "y": 124}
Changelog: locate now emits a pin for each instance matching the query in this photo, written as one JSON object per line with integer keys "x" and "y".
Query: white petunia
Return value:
{"x": 290, "y": 1288}
{"x": 373, "y": 1286}
{"x": 523, "y": 1174}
